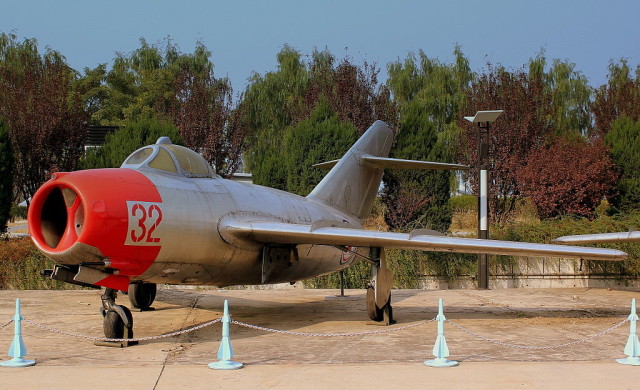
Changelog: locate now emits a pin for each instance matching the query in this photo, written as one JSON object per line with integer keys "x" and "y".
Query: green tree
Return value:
{"x": 570, "y": 94}
{"x": 430, "y": 96}
{"x": 289, "y": 95}
{"x": 134, "y": 135}
{"x": 141, "y": 83}
{"x": 624, "y": 141}
{"x": 6, "y": 176}
{"x": 322, "y": 137}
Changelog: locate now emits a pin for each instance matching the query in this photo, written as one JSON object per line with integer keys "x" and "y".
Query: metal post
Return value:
{"x": 483, "y": 201}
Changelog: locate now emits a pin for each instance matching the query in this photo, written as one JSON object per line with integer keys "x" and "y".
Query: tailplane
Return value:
{"x": 350, "y": 185}
{"x": 353, "y": 181}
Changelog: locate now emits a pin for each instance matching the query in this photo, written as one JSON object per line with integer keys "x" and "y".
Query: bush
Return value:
{"x": 20, "y": 266}
{"x": 462, "y": 203}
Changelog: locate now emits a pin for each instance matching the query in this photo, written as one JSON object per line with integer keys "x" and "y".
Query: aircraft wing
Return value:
{"x": 287, "y": 233}
{"x": 599, "y": 238}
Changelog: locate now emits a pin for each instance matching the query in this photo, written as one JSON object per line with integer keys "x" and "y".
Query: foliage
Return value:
{"x": 545, "y": 231}
{"x": 619, "y": 97}
{"x": 203, "y": 112}
{"x": 568, "y": 176}
{"x": 20, "y": 266}
{"x": 140, "y": 84}
{"x": 320, "y": 138}
{"x": 461, "y": 203}
{"x": 6, "y": 176}
{"x": 624, "y": 140}
{"x": 289, "y": 95}
{"x": 44, "y": 111}
{"x": 134, "y": 135}
{"x": 539, "y": 106}
{"x": 18, "y": 212}
{"x": 430, "y": 96}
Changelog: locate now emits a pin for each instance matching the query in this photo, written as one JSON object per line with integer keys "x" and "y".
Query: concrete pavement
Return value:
{"x": 534, "y": 317}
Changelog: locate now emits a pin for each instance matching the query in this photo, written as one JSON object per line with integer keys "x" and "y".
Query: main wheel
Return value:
{"x": 142, "y": 295}
{"x": 375, "y": 313}
{"x": 113, "y": 324}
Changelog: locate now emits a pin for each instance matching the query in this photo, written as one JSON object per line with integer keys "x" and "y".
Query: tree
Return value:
{"x": 322, "y": 137}
{"x": 624, "y": 140}
{"x": 568, "y": 176}
{"x": 6, "y": 176}
{"x": 140, "y": 84}
{"x": 430, "y": 97}
{"x": 43, "y": 109}
{"x": 522, "y": 128}
{"x": 539, "y": 106}
{"x": 619, "y": 97}
{"x": 203, "y": 111}
{"x": 134, "y": 135}
{"x": 289, "y": 95}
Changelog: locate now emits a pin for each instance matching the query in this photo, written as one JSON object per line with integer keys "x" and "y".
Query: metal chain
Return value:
{"x": 493, "y": 341}
{"x": 6, "y": 324}
{"x": 332, "y": 334}
{"x": 92, "y": 338}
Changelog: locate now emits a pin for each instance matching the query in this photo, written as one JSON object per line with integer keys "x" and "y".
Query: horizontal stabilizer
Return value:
{"x": 396, "y": 163}
{"x": 233, "y": 230}
{"x": 599, "y": 238}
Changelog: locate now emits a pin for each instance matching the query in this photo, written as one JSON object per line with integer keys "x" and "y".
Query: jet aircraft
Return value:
{"x": 164, "y": 217}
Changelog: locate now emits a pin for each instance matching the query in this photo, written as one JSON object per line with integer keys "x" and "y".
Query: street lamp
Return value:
{"x": 483, "y": 119}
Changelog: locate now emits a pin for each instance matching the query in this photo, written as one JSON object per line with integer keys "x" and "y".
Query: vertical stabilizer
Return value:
{"x": 351, "y": 185}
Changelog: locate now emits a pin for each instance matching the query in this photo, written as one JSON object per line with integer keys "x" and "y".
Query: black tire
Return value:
{"x": 142, "y": 295}
{"x": 375, "y": 313}
{"x": 113, "y": 325}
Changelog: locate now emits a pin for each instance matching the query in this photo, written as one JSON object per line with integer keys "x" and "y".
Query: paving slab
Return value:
{"x": 524, "y": 317}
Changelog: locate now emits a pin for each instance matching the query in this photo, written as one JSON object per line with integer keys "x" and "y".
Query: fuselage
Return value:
{"x": 163, "y": 228}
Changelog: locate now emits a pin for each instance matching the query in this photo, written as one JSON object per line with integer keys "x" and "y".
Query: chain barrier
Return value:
{"x": 6, "y": 324}
{"x": 294, "y": 333}
{"x": 92, "y": 338}
{"x": 494, "y": 341}
{"x": 308, "y": 334}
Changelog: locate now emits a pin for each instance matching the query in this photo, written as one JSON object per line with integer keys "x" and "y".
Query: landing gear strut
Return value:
{"x": 379, "y": 291}
{"x": 117, "y": 321}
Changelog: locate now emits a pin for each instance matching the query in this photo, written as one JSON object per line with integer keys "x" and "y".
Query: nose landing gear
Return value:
{"x": 117, "y": 321}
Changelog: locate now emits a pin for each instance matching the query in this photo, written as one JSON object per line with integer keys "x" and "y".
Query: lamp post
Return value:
{"x": 484, "y": 120}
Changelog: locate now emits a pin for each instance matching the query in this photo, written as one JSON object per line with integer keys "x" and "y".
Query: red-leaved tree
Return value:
{"x": 619, "y": 97}
{"x": 568, "y": 176}
{"x": 203, "y": 112}
{"x": 512, "y": 137}
{"x": 45, "y": 113}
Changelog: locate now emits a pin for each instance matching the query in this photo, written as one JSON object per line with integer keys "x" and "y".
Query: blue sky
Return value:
{"x": 245, "y": 36}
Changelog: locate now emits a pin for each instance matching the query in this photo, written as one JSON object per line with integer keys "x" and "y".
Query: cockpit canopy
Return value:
{"x": 165, "y": 156}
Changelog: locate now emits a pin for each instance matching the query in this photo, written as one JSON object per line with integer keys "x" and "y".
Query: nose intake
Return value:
{"x": 58, "y": 218}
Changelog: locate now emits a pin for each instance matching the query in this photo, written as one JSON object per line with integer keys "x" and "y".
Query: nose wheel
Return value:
{"x": 117, "y": 321}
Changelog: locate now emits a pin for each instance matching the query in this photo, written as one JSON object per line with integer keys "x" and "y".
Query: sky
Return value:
{"x": 245, "y": 36}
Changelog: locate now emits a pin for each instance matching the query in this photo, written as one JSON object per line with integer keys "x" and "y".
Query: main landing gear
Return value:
{"x": 142, "y": 295}
{"x": 117, "y": 319}
{"x": 379, "y": 290}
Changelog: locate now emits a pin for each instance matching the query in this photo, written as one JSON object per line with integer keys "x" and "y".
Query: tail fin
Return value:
{"x": 351, "y": 185}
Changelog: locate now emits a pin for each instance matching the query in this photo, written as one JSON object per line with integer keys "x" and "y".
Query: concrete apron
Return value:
{"x": 520, "y": 316}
